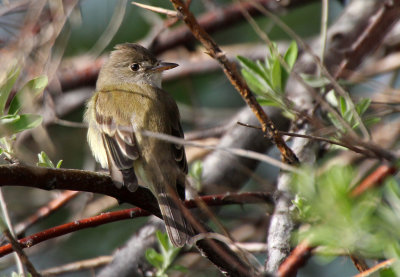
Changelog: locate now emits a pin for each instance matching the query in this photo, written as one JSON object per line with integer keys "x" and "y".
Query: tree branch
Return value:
{"x": 70, "y": 179}
{"x": 232, "y": 74}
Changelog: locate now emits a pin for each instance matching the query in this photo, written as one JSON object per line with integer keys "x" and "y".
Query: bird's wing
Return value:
{"x": 179, "y": 154}
{"x": 120, "y": 144}
{"x": 178, "y": 149}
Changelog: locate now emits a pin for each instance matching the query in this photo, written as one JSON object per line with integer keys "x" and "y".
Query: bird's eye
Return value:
{"x": 134, "y": 67}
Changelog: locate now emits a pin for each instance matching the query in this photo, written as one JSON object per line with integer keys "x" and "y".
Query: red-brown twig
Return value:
{"x": 297, "y": 259}
{"x": 232, "y": 74}
{"x": 373, "y": 269}
{"x": 45, "y": 211}
{"x": 359, "y": 263}
{"x": 211, "y": 200}
{"x": 374, "y": 179}
{"x": 74, "y": 226}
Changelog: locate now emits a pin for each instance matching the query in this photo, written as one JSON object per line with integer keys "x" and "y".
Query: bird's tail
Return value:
{"x": 175, "y": 223}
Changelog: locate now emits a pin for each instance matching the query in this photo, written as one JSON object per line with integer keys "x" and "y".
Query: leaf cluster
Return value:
{"x": 44, "y": 161}
{"x": 348, "y": 115}
{"x": 367, "y": 225}
{"x": 12, "y": 121}
{"x": 164, "y": 260}
{"x": 268, "y": 80}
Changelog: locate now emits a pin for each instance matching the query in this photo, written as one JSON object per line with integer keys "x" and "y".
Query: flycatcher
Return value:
{"x": 128, "y": 100}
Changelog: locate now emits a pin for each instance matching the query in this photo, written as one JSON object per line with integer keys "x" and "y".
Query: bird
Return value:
{"x": 129, "y": 100}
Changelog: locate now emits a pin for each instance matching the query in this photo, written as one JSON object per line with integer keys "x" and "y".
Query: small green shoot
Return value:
{"x": 163, "y": 261}
{"x": 268, "y": 80}
{"x": 196, "y": 171}
{"x": 348, "y": 115}
{"x": 13, "y": 122}
{"x": 44, "y": 161}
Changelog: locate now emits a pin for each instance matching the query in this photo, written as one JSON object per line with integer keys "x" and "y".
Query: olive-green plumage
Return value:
{"x": 127, "y": 101}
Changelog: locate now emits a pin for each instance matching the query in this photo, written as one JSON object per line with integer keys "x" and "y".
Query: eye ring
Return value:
{"x": 134, "y": 67}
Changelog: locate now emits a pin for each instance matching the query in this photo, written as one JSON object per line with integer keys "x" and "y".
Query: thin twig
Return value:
{"x": 8, "y": 229}
{"x": 324, "y": 28}
{"x": 374, "y": 179}
{"x": 235, "y": 151}
{"x": 167, "y": 12}
{"x": 18, "y": 249}
{"x": 374, "y": 269}
{"x": 45, "y": 211}
{"x": 77, "y": 266}
{"x": 345, "y": 145}
{"x": 110, "y": 31}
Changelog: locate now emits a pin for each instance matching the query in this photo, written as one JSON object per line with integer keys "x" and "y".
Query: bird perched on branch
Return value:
{"x": 129, "y": 100}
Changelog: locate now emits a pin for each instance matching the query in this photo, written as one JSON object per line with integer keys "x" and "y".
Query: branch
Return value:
{"x": 374, "y": 33}
{"x": 74, "y": 226}
{"x": 70, "y": 179}
{"x": 209, "y": 200}
{"x": 231, "y": 72}
{"x": 129, "y": 260}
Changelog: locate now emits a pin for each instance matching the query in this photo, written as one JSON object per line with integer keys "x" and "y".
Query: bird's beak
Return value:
{"x": 164, "y": 66}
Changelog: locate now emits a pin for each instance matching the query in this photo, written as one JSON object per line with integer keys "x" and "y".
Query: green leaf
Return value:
{"x": 276, "y": 79}
{"x": 44, "y": 160}
{"x": 362, "y": 106}
{"x": 254, "y": 84}
{"x": 163, "y": 240}
{"x": 196, "y": 170}
{"x": 154, "y": 258}
{"x": 263, "y": 69}
{"x": 290, "y": 58}
{"x": 12, "y": 124}
{"x": 180, "y": 268}
{"x": 267, "y": 102}
{"x": 59, "y": 164}
{"x": 6, "y": 87}
{"x": 291, "y": 54}
{"x": 250, "y": 65}
{"x": 31, "y": 88}
{"x": 342, "y": 105}
{"x": 387, "y": 272}
{"x": 258, "y": 73}
{"x": 314, "y": 81}
{"x": 371, "y": 121}
{"x": 348, "y": 117}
